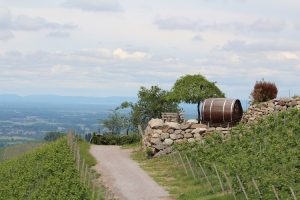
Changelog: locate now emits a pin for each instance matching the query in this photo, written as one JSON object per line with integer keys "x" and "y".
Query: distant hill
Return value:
{"x": 54, "y": 99}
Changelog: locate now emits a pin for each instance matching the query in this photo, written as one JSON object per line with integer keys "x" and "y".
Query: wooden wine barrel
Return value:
{"x": 221, "y": 111}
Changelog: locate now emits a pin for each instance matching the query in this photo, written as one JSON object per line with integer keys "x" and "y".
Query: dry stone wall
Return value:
{"x": 160, "y": 136}
{"x": 257, "y": 111}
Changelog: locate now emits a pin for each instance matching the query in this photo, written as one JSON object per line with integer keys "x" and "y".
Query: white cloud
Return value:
{"x": 60, "y": 69}
{"x": 11, "y": 22}
{"x": 289, "y": 56}
{"x": 297, "y": 26}
{"x": 196, "y": 25}
{"x": 265, "y": 25}
{"x": 234, "y": 59}
{"x": 94, "y": 5}
{"x": 137, "y": 56}
{"x": 6, "y": 35}
{"x": 266, "y": 46}
{"x": 197, "y": 37}
{"x": 58, "y": 34}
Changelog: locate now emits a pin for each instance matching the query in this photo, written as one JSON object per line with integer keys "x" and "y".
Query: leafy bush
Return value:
{"x": 113, "y": 139}
{"x": 267, "y": 151}
{"x": 264, "y": 91}
{"x": 46, "y": 173}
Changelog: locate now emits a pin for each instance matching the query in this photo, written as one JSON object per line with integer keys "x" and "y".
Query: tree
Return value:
{"x": 151, "y": 103}
{"x": 116, "y": 122}
{"x": 194, "y": 89}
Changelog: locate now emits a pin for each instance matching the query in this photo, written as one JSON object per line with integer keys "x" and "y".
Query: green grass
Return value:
{"x": 172, "y": 176}
{"x": 85, "y": 153}
{"x": 90, "y": 162}
{"x": 45, "y": 173}
{"x": 18, "y": 150}
{"x": 266, "y": 151}
{"x": 131, "y": 146}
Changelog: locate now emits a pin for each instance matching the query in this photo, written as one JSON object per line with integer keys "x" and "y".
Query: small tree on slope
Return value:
{"x": 194, "y": 89}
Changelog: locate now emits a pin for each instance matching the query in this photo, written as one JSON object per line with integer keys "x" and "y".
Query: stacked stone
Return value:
{"x": 160, "y": 136}
{"x": 257, "y": 111}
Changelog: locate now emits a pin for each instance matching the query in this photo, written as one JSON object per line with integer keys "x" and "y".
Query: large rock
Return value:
{"x": 194, "y": 126}
{"x": 168, "y": 142}
{"x": 157, "y": 131}
{"x": 155, "y": 140}
{"x": 173, "y": 125}
{"x": 185, "y": 126}
{"x": 199, "y": 130}
{"x": 163, "y": 152}
{"x": 159, "y": 146}
{"x": 171, "y": 131}
{"x": 180, "y": 136}
{"x": 188, "y": 135}
{"x": 188, "y": 130}
{"x": 156, "y": 123}
{"x": 173, "y": 136}
{"x": 148, "y": 131}
{"x": 293, "y": 103}
{"x": 177, "y": 132}
{"x": 211, "y": 129}
{"x": 165, "y": 136}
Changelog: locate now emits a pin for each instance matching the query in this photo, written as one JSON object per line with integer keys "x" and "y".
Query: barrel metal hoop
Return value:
{"x": 211, "y": 103}
{"x": 231, "y": 109}
{"x": 202, "y": 112}
{"x": 224, "y": 110}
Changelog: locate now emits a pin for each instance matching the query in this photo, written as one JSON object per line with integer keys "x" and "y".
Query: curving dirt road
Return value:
{"x": 123, "y": 176}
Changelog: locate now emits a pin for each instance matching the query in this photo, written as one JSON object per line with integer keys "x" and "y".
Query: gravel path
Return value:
{"x": 123, "y": 176}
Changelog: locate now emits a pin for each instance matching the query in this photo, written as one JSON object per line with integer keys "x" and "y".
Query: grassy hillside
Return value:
{"x": 265, "y": 156}
{"x": 267, "y": 152}
{"x": 17, "y": 150}
{"x": 46, "y": 173}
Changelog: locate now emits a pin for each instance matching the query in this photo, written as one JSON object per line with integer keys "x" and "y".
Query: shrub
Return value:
{"x": 113, "y": 139}
{"x": 264, "y": 91}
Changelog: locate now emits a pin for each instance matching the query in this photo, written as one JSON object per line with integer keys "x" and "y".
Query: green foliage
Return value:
{"x": 149, "y": 152}
{"x": 52, "y": 136}
{"x": 152, "y": 102}
{"x": 194, "y": 89}
{"x": 116, "y": 122}
{"x": 46, "y": 173}
{"x": 85, "y": 153}
{"x": 267, "y": 151}
{"x": 112, "y": 139}
{"x": 264, "y": 91}
{"x": 171, "y": 175}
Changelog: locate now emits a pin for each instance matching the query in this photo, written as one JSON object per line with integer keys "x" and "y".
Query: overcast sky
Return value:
{"x": 111, "y": 47}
